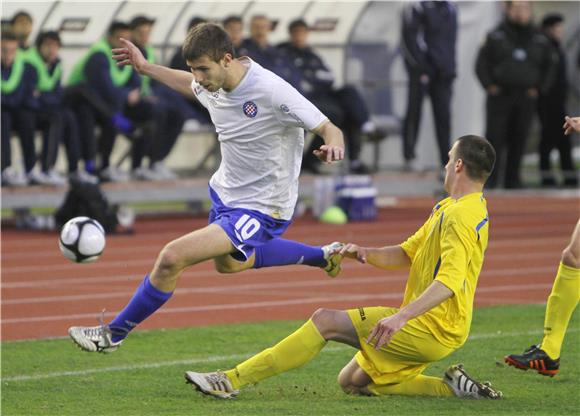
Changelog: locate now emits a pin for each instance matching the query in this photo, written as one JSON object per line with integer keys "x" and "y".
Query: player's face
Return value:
{"x": 209, "y": 74}
{"x": 9, "y": 48}
{"x": 49, "y": 50}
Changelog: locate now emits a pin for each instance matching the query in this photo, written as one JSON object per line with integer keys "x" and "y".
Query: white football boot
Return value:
{"x": 465, "y": 386}
{"x": 215, "y": 384}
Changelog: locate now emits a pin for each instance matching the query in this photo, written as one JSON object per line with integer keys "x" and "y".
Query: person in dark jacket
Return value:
{"x": 190, "y": 109}
{"x": 429, "y": 37}
{"x": 344, "y": 106}
{"x": 103, "y": 93}
{"x": 514, "y": 65}
{"x": 552, "y": 110}
{"x": 258, "y": 47}
{"x": 18, "y": 105}
{"x": 234, "y": 26}
{"x": 167, "y": 119}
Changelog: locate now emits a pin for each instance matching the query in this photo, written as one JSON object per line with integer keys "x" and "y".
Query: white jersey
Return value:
{"x": 260, "y": 126}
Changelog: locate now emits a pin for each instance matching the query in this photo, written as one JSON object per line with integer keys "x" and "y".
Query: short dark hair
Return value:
{"x": 478, "y": 156}
{"x": 116, "y": 26}
{"x": 206, "y": 39}
{"x": 48, "y": 35}
{"x": 9, "y": 36}
{"x": 232, "y": 19}
{"x": 196, "y": 20}
{"x": 19, "y": 14}
{"x": 552, "y": 19}
{"x": 140, "y": 20}
{"x": 295, "y": 24}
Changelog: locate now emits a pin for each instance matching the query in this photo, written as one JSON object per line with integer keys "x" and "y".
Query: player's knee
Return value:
{"x": 169, "y": 259}
{"x": 348, "y": 384}
{"x": 323, "y": 319}
{"x": 570, "y": 257}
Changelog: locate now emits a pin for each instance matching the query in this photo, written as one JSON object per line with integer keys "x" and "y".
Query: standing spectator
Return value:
{"x": 105, "y": 92}
{"x": 258, "y": 47}
{"x": 18, "y": 104}
{"x": 21, "y": 26}
{"x": 234, "y": 26}
{"x": 167, "y": 120}
{"x": 552, "y": 109}
{"x": 429, "y": 34}
{"x": 514, "y": 65}
{"x": 345, "y": 106}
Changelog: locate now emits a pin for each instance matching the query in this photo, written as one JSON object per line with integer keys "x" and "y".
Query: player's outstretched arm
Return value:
{"x": 389, "y": 257}
{"x": 175, "y": 79}
{"x": 333, "y": 148}
{"x": 571, "y": 124}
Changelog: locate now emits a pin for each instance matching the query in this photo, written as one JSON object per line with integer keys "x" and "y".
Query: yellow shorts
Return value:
{"x": 410, "y": 351}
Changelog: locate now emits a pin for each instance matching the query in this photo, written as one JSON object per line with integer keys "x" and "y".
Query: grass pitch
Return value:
{"x": 145, "y": 377}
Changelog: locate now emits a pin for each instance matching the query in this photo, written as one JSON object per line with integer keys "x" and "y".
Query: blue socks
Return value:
{"x": 280, "y": 252}
{"x": 146, "y": 300}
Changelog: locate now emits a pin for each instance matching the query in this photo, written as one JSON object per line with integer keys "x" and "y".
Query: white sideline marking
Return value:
{"x": 268, "y": 304}
{"x": 219, "y": 358}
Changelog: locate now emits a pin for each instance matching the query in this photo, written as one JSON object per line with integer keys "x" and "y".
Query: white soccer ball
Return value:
{"x": 82, "y": 240}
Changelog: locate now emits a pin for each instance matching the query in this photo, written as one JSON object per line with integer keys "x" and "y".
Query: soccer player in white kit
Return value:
{"x": 260, "y": 121}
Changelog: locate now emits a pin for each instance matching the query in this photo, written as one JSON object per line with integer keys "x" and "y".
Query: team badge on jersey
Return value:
{"x": 250, "y": 109}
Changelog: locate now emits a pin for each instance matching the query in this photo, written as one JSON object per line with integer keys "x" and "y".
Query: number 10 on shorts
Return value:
{"x": 246, "y": 227}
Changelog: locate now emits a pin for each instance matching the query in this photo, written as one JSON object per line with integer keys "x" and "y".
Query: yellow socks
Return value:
{"x": 417, "y": 386}
{"x": 293, "y": 351}
{"x": 561, "y": 304}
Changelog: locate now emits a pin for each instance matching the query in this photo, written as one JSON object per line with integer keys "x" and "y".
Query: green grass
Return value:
{"x": 99, "y": 387}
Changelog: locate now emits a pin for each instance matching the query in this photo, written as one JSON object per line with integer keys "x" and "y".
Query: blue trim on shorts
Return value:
{"x": 246, "y": 228}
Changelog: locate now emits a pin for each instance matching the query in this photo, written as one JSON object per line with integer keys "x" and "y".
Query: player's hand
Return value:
{"x": 329, "y": 153}
{"x": 129, "y": 55}
{"x": 571, "y": 124}
{"x": 352, "y": 251}
{"x": 385, "y": 329}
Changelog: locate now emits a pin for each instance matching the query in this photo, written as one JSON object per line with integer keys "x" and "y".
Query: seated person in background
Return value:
{"x": 18, "y": 103}
{"x": 190, "y": 109}
{"x": 234, "y": 26}
{"x": 21, "y": 26}
{"x": 345, "y": 106}
{"x": 167, "y": 119}
{"x": 53, "y": 118}
{"x": 102, "y": 91}
{"x": 259, "y": 49}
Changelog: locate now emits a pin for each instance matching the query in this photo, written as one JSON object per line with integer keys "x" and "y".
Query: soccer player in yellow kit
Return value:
{"x": 395, "y": 345}
{"x": 545, "y": 357}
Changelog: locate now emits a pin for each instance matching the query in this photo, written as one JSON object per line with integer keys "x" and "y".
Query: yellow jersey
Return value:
{"x": 449, "y": 248}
